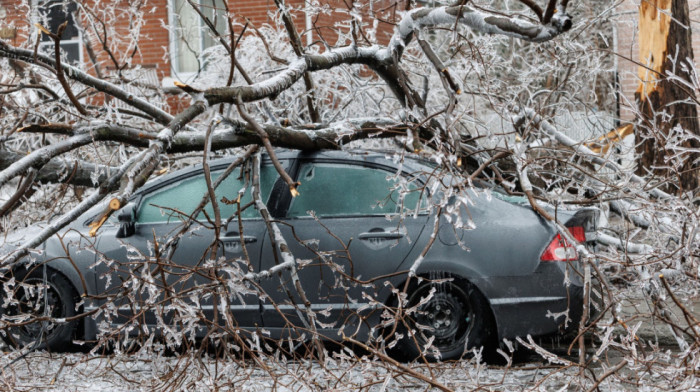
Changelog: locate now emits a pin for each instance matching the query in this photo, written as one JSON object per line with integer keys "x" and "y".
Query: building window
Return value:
{"x": 191, "y": 35}
{"x": 53, "y": 13}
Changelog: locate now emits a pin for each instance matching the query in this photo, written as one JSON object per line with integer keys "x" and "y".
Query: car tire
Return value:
{"x": 456, "y": 318}
{"x": 60, "y": 297}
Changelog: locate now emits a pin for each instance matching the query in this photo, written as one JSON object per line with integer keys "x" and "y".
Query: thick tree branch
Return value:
{"x": 477, "y": 20}
{"x": 380, "y": 58}
{"x": 237, "y": 133}
{"x": 40, "y": 157}
{"x": 61, "y": 170}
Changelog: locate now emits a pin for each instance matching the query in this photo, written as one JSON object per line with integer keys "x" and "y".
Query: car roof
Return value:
{"x": 384, "y": 158}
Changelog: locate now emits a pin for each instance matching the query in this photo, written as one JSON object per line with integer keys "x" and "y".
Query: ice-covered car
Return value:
{"x": 489, "y": 268}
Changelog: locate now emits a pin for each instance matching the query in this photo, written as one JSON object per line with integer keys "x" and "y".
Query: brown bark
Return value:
{"x": 664, "y": 103}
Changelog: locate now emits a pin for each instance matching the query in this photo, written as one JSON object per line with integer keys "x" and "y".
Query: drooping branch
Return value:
{"x": 76, "y": 74}
{"x": 289, "y": 261}
{"x": 130, "y": 177}
{"x": 106, "y": 188}
{"x": 39, "y": 157}
{"x": 381, "y": 58}
{"x": 479, "y": 21}
{"x": 378, "y": 58}
{"x": 290, "y": 75}
{"x": 236, "y": 133}
{"x": 270, "y": 150}
{"x": 60, "y": 170}
{"x": 13, "y": 165}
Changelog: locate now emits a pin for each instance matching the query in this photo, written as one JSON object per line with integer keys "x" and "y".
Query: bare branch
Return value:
{"x": 270, "y": 150}
{"x": 59, "y": 69}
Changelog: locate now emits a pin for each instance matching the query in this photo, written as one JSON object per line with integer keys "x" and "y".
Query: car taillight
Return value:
{"x": 562, "y": 250}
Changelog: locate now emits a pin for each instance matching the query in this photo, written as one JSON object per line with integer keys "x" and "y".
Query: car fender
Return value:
{"x": 79, "y": 282}
{"x": 44, "y": 255}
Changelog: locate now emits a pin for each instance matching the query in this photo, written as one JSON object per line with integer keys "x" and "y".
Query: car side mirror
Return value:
{"x": 127, "y": 221}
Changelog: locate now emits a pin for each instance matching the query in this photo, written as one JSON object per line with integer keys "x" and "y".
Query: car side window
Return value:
{"x": 179, "y": 200}
{"x": 331, "y": 189}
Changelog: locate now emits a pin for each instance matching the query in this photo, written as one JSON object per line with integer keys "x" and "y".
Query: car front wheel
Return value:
{"x": 37, "y": 310}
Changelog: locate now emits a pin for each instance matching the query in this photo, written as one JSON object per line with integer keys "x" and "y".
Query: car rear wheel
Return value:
{"x": 37, "y": 311}
{"x": 445, "y": 320}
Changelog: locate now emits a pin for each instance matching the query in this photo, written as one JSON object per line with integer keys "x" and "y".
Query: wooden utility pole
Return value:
{"x": 664, "y": 103}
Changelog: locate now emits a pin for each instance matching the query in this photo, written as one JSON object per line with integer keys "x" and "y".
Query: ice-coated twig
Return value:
{"x": 288, "y": 261}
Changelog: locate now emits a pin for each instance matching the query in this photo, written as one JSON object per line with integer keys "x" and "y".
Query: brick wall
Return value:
{"x": 154, "y": 38}
{"x": 628, "y": 50}
{"x": 153, "y": 42}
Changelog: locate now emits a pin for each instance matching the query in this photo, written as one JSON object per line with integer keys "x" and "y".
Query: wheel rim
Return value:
{"x": 447, "y": 316}
{"x": 30, "y": 301}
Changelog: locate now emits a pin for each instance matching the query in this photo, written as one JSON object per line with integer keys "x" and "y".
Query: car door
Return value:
{"x": 134, "y": 278}
{"x": 345, "y": 229}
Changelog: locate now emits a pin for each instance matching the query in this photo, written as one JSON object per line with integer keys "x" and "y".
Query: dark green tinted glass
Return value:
{"x": 347, "y": 190}
{"x": 179, "y": 200}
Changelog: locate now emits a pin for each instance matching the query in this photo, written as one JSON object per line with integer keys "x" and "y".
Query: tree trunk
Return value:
{"x": 664, "y": 103}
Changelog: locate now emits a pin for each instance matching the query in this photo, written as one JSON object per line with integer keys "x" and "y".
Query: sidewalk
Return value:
{"x": 638, "y": 308}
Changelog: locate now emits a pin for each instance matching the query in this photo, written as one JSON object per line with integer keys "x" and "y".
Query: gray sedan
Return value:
{"x": 384, "y": 249}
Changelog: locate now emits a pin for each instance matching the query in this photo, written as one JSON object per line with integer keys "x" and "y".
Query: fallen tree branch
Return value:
{"x": 270, "y": 150}
{"x": 21, "y": 192}
{"x": 288, "y": 259}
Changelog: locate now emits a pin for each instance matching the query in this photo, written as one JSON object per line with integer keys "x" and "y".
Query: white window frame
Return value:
{"x": 175, "y": 73}
{"x": 36, "y": 18}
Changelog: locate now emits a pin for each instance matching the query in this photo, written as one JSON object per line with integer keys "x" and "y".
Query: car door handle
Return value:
{"x": 384, "y": 235}
{"x": 235, "y": 237}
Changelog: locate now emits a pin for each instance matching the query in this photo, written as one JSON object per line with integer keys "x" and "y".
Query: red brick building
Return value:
{"x": 172, "y": 53}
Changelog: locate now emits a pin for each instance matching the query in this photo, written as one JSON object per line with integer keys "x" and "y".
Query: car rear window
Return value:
{"x": 332, "y": 189}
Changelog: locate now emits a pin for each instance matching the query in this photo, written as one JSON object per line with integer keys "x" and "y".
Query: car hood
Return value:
{"x": 15, "y": 238}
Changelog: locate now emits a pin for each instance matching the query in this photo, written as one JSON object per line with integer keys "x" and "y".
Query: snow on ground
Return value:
{"x": 42, "y": 371}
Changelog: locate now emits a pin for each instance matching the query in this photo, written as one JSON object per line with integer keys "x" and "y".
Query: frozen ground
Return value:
{"x": 75, "y": 372}
{"x": 42, "y": 371}
{"x": 645, "y": 354}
